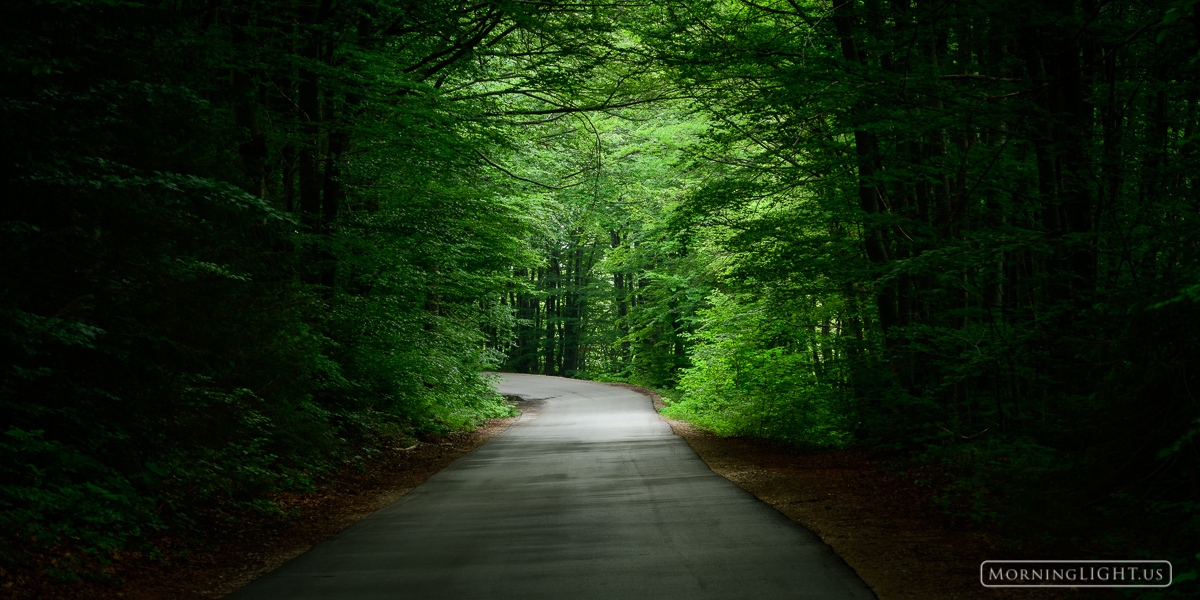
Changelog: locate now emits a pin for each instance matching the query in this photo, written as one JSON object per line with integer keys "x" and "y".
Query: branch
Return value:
{"x": 578, "y": 109}
{"x": 515, "y": 176}
{"x": 540, "y": 121}
{"x": 463, "y": 49}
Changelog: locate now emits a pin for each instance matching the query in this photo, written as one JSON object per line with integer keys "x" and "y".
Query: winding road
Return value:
{"x": 588, "y": 495}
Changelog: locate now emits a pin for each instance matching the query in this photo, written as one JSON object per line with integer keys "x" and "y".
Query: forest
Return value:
{"x": 249, "y": 242}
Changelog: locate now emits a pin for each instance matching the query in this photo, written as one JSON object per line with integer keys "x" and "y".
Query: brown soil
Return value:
{"x": 881, "y": 524}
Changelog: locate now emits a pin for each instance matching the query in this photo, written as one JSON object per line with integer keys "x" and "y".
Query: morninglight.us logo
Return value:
{"x": 1076, "y": 573}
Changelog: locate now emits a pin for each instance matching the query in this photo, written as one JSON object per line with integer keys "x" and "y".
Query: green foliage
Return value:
{"x": 753, "y": 375}
{"x": 612, "y": 295}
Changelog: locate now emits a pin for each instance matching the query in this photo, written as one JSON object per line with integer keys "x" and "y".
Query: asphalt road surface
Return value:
{"x": 589, "y": 495}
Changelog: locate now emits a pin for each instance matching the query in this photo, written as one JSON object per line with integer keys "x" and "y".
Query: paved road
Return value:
{"x": 589, "y": 495}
